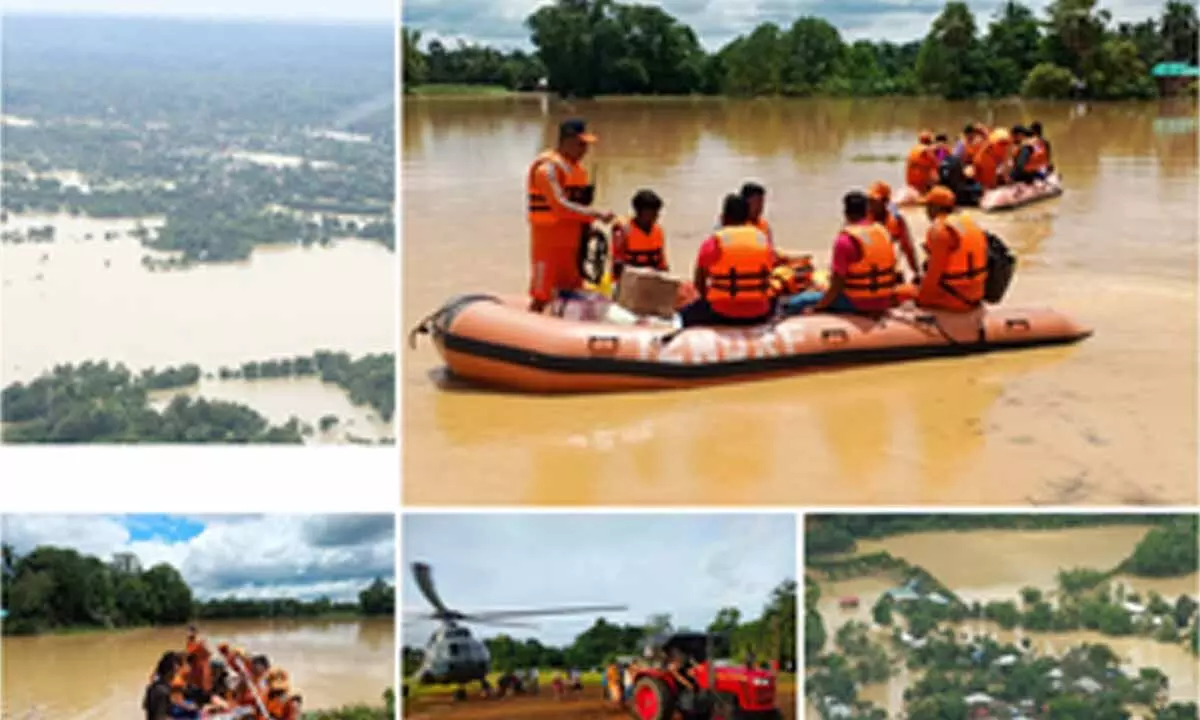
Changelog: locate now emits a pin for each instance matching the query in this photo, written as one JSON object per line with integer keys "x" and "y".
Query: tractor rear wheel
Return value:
{"x": 652, "y": 700}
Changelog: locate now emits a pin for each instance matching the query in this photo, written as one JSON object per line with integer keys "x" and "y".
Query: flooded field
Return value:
{"x": 988, "y": 565}
{"x": 1111, "y": 421}
{"x": 91, "y": 298}
{"x": 334, "y": 663}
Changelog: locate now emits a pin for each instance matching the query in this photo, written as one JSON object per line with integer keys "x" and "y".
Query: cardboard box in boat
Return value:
{"x": 646, "y": 291}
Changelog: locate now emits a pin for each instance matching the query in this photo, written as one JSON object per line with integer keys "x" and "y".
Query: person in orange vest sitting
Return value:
{"x": 863, "y": 276}
{"x": 991, "y": 161}
{"x": 640, "y": 241}
{"x": 920, "y": 169}
{"x": 1030, "y": 161}
{"x": 882, "y": 211}
{"x": 1036, "y": 128}
{"x": 560, "y": 214}
{"x": 181, "y": 705}
{"x": 278, "y": 696}
{"x": 733, "y": 272}
{"x": 957, "y": 251}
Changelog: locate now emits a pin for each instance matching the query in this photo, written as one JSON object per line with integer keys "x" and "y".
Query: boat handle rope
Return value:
{"x": 931, "y": 321}
{"x": 422, "y": 328}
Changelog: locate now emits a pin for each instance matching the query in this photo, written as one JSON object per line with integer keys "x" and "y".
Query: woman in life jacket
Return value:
{"x": 156, "y": 701}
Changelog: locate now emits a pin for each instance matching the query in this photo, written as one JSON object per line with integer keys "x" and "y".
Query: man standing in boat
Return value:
{"x": 560, "y": 195}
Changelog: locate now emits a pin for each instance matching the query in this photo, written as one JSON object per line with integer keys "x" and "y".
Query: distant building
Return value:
{"x": 1174, "y": 77}
{"x": 904, "y": 594}
{"x": 848, "y": 602}
{"x": 1088, "y": 685}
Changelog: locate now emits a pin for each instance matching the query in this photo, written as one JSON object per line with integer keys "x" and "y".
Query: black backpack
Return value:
{"x": 1001, "y": 266}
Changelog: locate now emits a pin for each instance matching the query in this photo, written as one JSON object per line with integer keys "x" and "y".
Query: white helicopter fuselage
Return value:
{"x": 454, "y": 657}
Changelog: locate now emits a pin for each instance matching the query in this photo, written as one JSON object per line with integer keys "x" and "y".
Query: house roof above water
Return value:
{"x": 1175, "y": 70}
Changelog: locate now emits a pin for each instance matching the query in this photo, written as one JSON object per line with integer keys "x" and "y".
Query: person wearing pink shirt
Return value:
{"x": 733, "y": 272}
{"x": 863, "y": 275}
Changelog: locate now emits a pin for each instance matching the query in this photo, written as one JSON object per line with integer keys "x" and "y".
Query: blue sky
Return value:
{"x": 689, "y": 566}
{"x": 301, "y": 10}
{"x": 500, "y": 22}
{"x": 302, "y": 556}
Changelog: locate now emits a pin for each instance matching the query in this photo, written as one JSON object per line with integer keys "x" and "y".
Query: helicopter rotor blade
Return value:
{"x": 424, "y": 577}
{"x": 491, "y": 615}
{"x": 504, "y": 624}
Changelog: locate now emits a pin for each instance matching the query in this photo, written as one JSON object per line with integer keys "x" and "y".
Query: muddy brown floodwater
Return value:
{"x": 987, "y": 565}
{"x": 102, "y": 675}
{"x": 1110, "y": 421}
{"x": 86, "y": 298}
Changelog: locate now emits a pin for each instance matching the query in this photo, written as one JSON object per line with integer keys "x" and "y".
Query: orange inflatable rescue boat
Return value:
{"x": 497, "y": 342}
{"x": 1009, "y": 197}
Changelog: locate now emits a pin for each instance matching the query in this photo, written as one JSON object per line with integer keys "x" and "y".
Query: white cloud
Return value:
{"x": 247, "y": 556}
{"x": 689, "y": 566}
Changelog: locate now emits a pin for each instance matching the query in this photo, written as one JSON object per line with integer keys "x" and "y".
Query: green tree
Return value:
{"x": 882, "y": 611}
{"x": 379, "y": 598}
{"x": 1013, "y": 43}
{"x": 1180, "y": 31}
{"x": 948, "y": 62}
{"x": 414, "y": 68}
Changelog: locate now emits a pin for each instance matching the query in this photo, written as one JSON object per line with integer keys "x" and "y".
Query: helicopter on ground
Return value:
{"x": 453, "y": 656}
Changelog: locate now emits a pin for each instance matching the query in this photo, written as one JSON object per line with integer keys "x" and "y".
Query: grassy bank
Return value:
{"x": 448, "y": 90}
{"x": 386, "y": 711}
{"x": 545, "y": 677}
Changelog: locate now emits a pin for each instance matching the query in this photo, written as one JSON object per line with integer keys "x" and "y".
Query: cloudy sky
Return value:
{"x": 343, "y": 10}
{"x": 302, "y": 556}
{"x": 501, "y": 22}
{"x": 689, "y": 566}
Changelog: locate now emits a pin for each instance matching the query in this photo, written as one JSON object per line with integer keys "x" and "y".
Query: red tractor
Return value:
{"x": 720, "y": 693}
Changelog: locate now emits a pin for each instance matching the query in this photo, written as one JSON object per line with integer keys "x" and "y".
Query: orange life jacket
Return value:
{"x": 573, "y": 178}
{"x": 179, "y": 684}
{"x": 966, "y": 269}
{"x": 920, "y": 168}
{"x": 277, "y": 705}
{"x": 1038, "y": 160}
{"x": 644, "y": 249}
{"x": 743, "y": 270}
{"x": 873, "y": 276}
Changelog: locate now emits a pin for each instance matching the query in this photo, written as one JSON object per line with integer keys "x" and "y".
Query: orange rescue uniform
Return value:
{"x": 201, "y": 671}
{"x": 957, "y": 269}
{"x": 920, "y": 171}
{"x": 556, "y": 228}
{"x": 990, "y": 159}
{"x": 742, "y": 273}
{"x": 873, "y": 276}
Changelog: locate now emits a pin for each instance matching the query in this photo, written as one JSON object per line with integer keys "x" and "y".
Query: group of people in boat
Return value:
{"x": 741, "y": 277}
{"x": 198, "y": 683}
{"x": 982, "y": 159}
